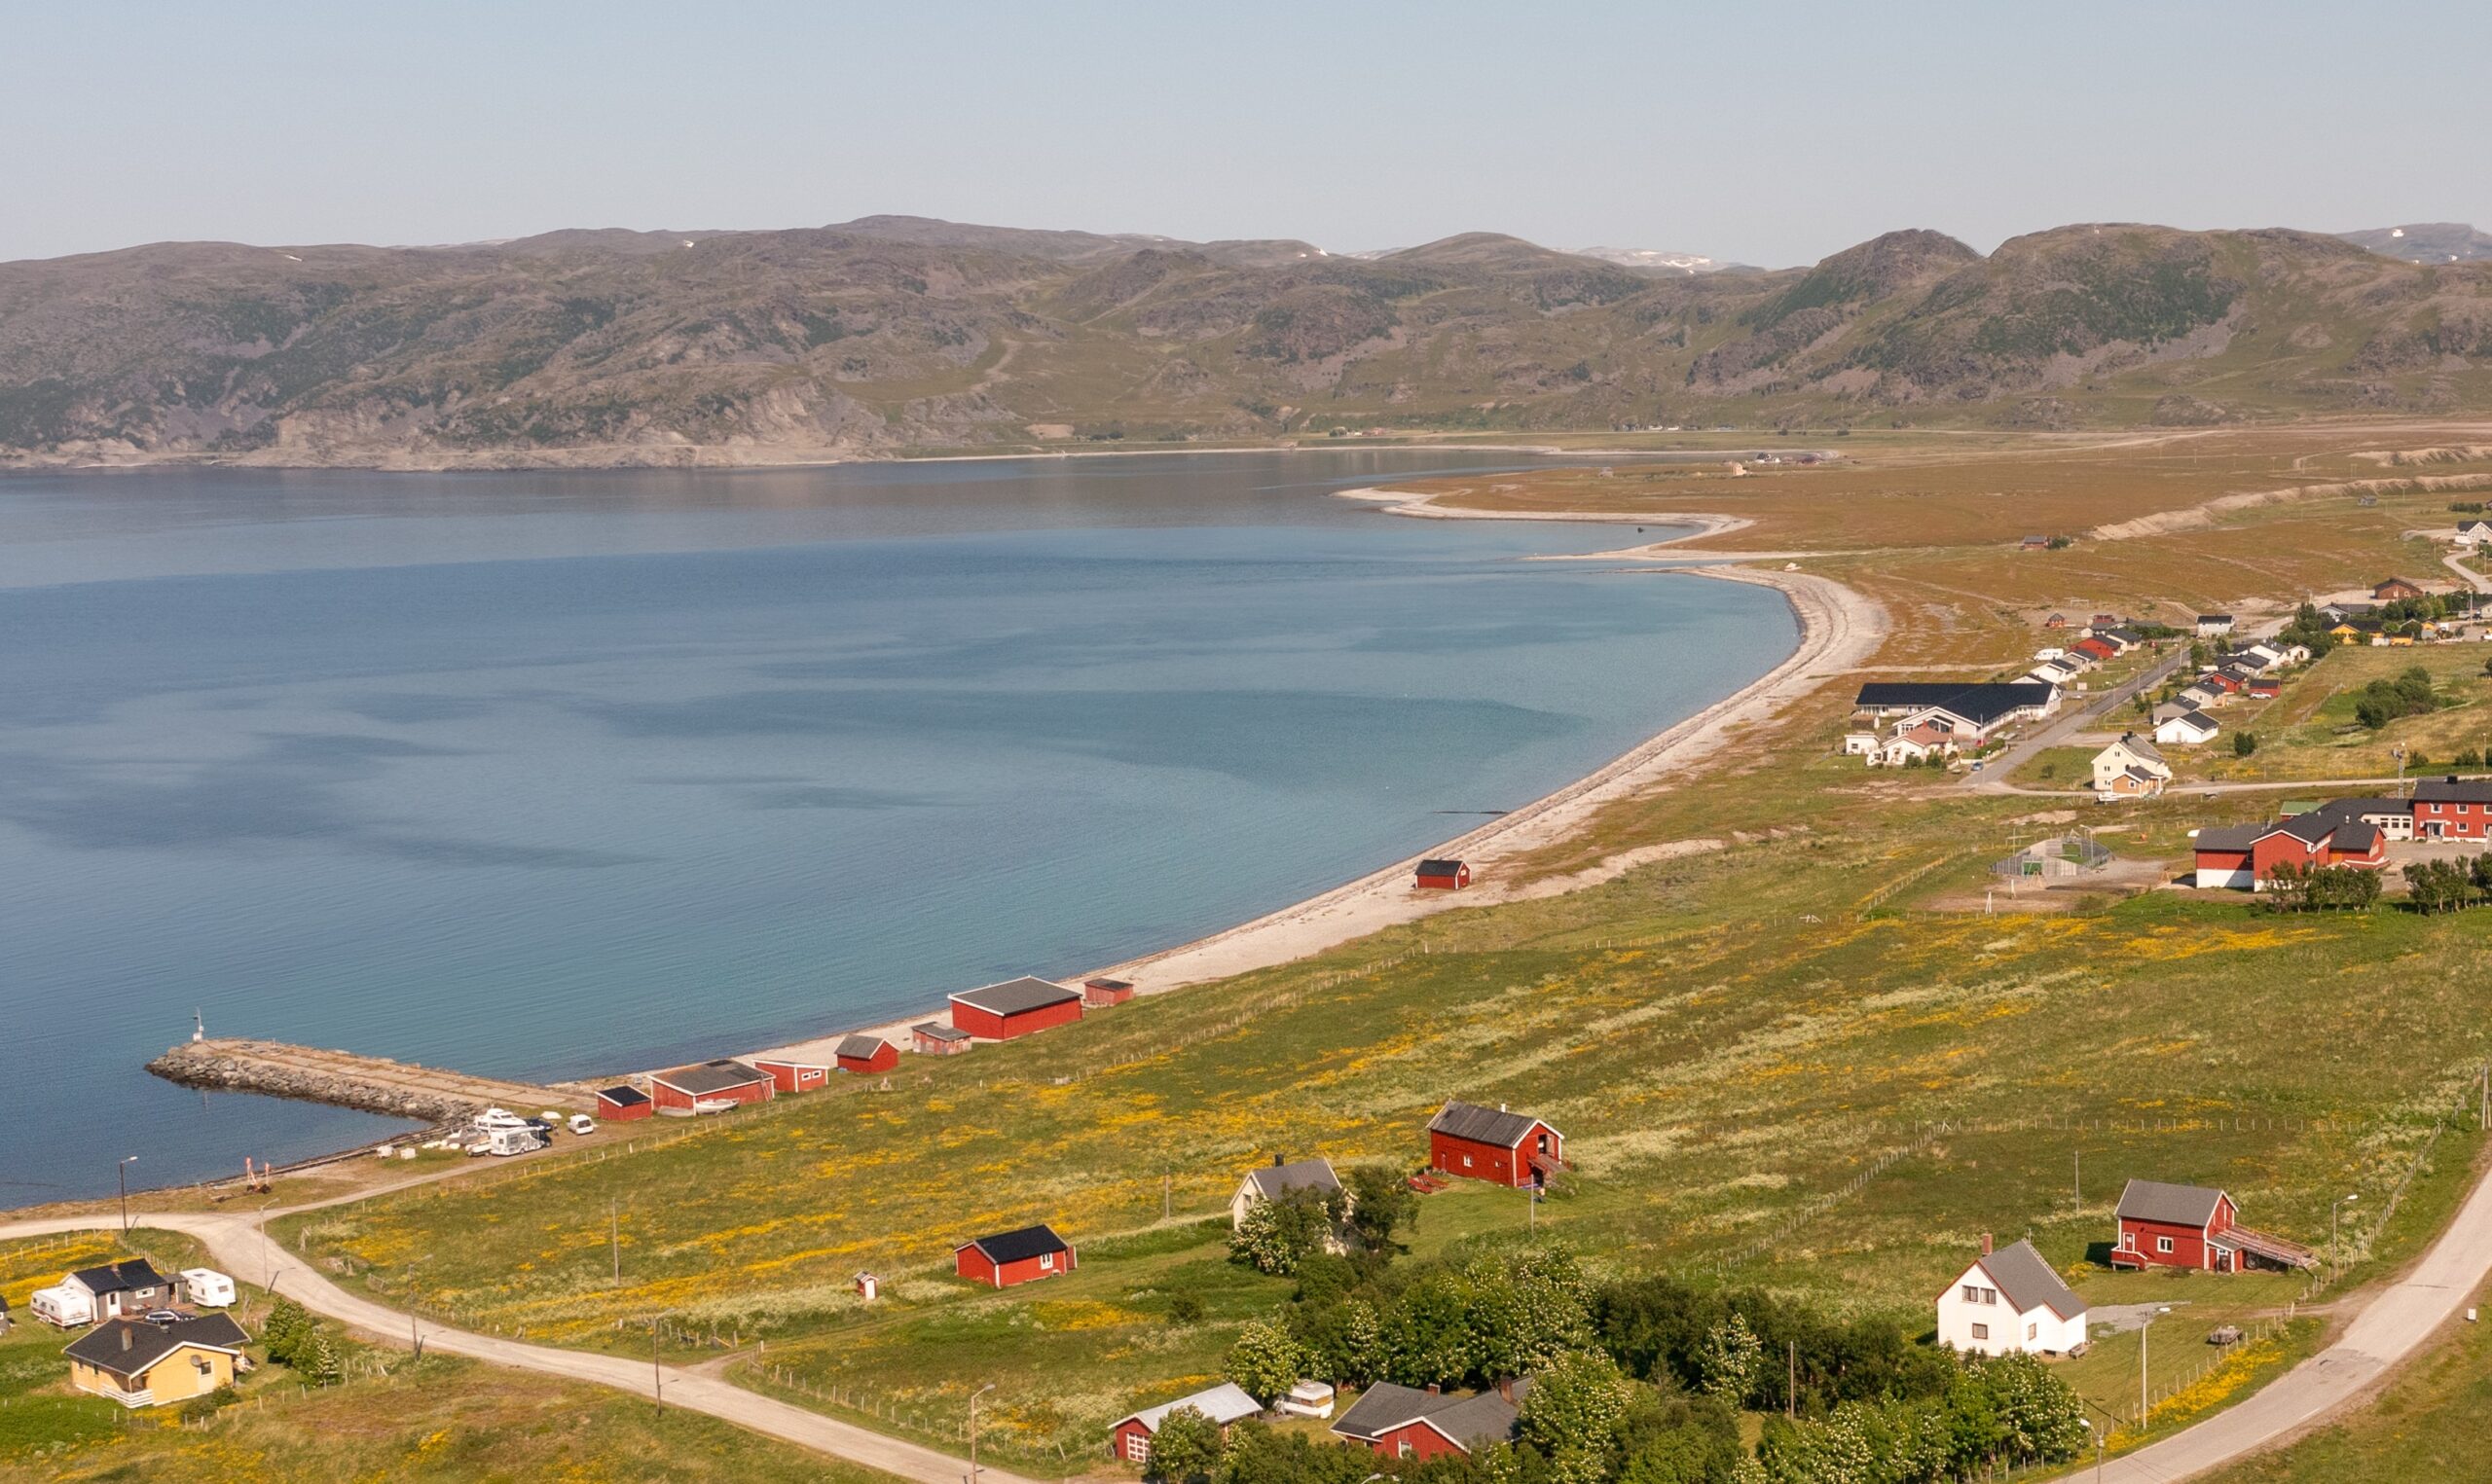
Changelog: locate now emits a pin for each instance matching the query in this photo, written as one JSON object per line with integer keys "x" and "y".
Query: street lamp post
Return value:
{"x": 973, "y": 1397}
{"x": 2332, "y": 1210}
{"x": 124, "y": 1172}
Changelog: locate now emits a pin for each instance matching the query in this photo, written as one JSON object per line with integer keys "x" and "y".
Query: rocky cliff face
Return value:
{"x": 894, "y": 335}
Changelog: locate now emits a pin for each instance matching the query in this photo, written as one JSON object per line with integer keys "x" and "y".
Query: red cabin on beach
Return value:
{"x": 788, "y": 1076}
{"x": 1483, "y": 1143}
{"x": 1099, "y": 993}
{"x": 1444, "y": 875}
{"x": 999, "y": 1012}
{"x": 708, "y": 1087}
{"x": 938, "y": 1040}
{"x": 1014, "y": 1256}
{"x": 867, "y": 1054}
{"x": 622, "y": 1103}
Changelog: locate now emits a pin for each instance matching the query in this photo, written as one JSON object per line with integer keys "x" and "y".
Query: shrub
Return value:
{"x": 2243, "y": 744}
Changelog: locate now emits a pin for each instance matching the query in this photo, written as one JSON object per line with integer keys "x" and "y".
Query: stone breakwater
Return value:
{"x": 343, "y": 1079}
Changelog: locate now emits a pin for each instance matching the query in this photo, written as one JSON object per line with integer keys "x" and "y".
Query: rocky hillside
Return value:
{"x": 2426, "y": 243}
{"x": 892, "y": 335}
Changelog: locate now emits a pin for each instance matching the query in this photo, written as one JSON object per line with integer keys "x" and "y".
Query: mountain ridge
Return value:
{"x": 883, "y": 336}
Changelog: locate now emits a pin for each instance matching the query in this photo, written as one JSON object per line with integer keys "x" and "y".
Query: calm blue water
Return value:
{"x": 551, "y": 775}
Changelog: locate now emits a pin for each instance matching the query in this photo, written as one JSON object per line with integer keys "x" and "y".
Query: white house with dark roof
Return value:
{"x": 2010, "y": 1301}
{"x": 2190, "y": 729}
{"x": 2130, "y": 769}
{"x": 1276, "y": 1181}
{"x": 2474, "y": 532}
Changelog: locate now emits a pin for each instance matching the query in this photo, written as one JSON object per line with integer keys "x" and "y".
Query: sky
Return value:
{"x": 1756, "y": 132}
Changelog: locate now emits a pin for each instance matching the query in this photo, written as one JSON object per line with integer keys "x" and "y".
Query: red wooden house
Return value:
{"x": 786, "y": 1076}
{"x": 866, "y": 1054}
{"x": 2265, "y": 688}
{"x": 2323, "y": 837}
{"x": 1484, "y": 1143}
{"x": 2454, "y": 808}
{"x": 2097, "y": 650}
{"x": 999, "y": 1012}
{"x": 2194, "y": 1226}
{"x": 1015, "y": 1257}
{"x": 1099, "y": 993}
{"x": 1400, "y": 1421}
{"x": 622, "y": 1103}
{"x": 708, "y": 1087}
{"x": 936, "y": 1039}
{"x": 2056, "y": 621}
{"x": 1444, "y": 875}
{"x": 2394, "y": 588}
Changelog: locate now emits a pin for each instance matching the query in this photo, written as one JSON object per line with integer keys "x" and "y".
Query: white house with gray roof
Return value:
{"x": 2010, "y": 1301}
{"x": 1276, "y": 1181}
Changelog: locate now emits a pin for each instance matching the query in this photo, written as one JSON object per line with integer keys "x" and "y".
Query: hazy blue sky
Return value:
{"x": 1767, "y": 133}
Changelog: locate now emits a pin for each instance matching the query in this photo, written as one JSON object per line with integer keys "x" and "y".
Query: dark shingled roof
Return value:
{"x": 1303, "y": 1174}
{"x": 1014, "y": 996}
{"x": 623, "y": 1096}
{"x": 1013, "y": 1246}
{"x": 102, "y": 1346}
{"x": 2453, "y": 790}
{"x": 1980, "y": 705}
{"x": 1481, "y": 1125}
{"x": 1440, "y": 867}
{"x": 710, "y": 1076}
{"x": 1482, "y": 1417}
{"x": 2029, "y": 1281}
{"x": 2231, "y": 837}
{"x": 935, "y": 1031}
{"x": 120, "y": 1277}
{"x": 2176, "y": 1205}
{"x": 863, "y": 1048}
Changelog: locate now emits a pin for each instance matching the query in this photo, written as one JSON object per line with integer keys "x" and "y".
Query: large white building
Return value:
{"x": 2009, "y": 1300}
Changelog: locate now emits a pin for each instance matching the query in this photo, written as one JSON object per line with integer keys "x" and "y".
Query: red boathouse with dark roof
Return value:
{"x": 622, "y": 1103}
{"x": 1014, "y": 1256}
{"x": 786, "y": 1076}
{"x": 866, "y": 1054}
{"x": 707, "y": 1086}
{"x": 999, "y": 1012}
{"x": 1444, "y": 875}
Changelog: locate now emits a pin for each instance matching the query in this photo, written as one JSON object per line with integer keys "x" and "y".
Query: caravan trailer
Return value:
{"x": 207, "y": 1288}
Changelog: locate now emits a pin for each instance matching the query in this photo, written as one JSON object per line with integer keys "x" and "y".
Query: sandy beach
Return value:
{"x": 1840, "y": 630}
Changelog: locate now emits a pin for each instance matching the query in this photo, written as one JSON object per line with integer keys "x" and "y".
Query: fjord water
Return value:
{"x": 562, "y": 774}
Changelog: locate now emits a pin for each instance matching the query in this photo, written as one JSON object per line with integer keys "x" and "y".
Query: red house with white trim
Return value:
{"x": 2194, "y": 1226}
{"x": 1481, "y": 1143}
{"x": 709, "y": 1087}
{"x": 786, "y": 1076}
{"x": 2454, "y": 808}
{"x": 1443, "y": 875}
{"x": 1100, "y": 994}
{"x": 1401, "y": 1421}
{"x": 1014, "y": 1256}
{"x": 866, "y": 1054}
{"x": 937, "y": 1039}
{"x": 999, "y": 1012}
{"x": 1224, "y": 1405}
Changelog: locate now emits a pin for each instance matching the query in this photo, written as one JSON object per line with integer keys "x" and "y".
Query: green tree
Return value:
{"x": 1185, "y": 1308}
{"x": 1729, "y": 1360}
{"x": 1264, "y": 1360}
{"x": 2039, "y": 1417}
{"x": 288, "y": 1324}
{"x": 1381, "y": 1203}
{"x": 1258, "y": 1455}
{"x": 1278, "y": 1234}
{"x": 318, "y": 1360}
{"x": 1186, "y": 1449}
{"x": 1572, "y": 1414}
{"x": 1427, "y": 1335}
{"x": 2243, "y": 744}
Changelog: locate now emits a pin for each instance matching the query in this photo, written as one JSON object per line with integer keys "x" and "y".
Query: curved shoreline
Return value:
{"x": 1838, "y": 629}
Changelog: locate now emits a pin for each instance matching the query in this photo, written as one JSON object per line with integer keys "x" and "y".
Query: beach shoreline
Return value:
{"x": 1840, "y": 629}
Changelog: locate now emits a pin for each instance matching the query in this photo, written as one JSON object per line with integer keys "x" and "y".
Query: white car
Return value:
{"x": 583, "y": 1123}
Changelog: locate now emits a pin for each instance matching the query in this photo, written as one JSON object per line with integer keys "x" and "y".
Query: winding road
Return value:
{"x": 241, "y": 1247}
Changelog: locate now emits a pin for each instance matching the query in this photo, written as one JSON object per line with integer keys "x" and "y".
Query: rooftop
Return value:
{"x": 1024, "y": 1242}
{"x": 2176, "y": 1205}
{"x": 1481, "y": 1125}
{"x": 715, "y": 1076}
{"x": 1014, "y": 996}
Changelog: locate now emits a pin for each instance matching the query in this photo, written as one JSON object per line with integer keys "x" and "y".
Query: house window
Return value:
{"x": 1989, "y": 1296}
{"x": 2163, "y": 1243}
{"x": 2033, "y": 1330}
{"x": 1972, "y": 1294}
{"x": 1466, "y": 1162}
{"x": 1401, "y": 1448}
{"x": 1046, "y": 1259}
{"x": 1981, "y": 1331}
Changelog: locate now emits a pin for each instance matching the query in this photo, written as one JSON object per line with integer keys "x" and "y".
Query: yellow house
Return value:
{"x": 145, "y": 1365}
{"x": 2345, "y": 633}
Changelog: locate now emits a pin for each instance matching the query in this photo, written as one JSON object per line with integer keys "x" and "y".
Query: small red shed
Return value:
{"x": 1223, "y": 1405}
{"x": 786, "y": 1076}
{"x": 934, "y": 1039}
{"x": 1483, "y": 1143}
{"x": 999, "y": 1012}
{"x": 866, "y": 1054}
{"x": 622, "y": 1103}
{"x": 1099, "y": 993}
{"x": 1444, "y": 875}
{"x": 1014, "y": 1256}
{"x": 709, "y": 1087}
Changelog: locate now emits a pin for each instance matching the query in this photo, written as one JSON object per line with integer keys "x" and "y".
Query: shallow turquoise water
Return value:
{"x": 551, "y": 775}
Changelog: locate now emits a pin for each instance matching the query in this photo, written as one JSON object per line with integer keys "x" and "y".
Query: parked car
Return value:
{"x": 161, "y": 1317}
{"x": 583, "y": 1123}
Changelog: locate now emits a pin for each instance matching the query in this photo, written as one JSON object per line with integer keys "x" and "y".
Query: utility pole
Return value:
{"x": 1167, "y": 1193}
{"x": 2331, "y": 1225}
{"x": 1791, "y": 1388}
{"x": 2076, "y": 1158}
{"x": 614, "y": 1238}
{"x": 124, "y": 1172}
{"x": 657, "y": 1373}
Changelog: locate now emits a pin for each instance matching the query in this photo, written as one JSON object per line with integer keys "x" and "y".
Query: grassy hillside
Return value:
{"x": 892, "y": 335}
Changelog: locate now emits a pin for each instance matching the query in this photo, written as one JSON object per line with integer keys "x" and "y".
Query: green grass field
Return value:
{"x": 2309, "y": 730}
